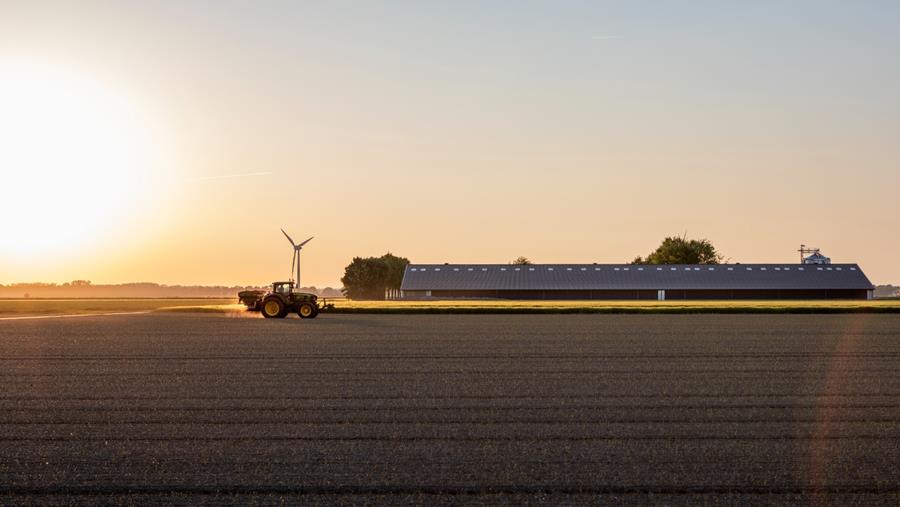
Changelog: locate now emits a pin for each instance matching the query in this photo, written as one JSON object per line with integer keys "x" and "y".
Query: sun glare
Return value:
{"x": 74, "y": 159}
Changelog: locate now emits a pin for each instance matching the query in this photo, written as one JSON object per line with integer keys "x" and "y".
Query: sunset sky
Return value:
{"x": 169, "y": 141}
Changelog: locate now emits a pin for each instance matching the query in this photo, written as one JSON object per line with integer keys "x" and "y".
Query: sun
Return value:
{"x": 74, "y": 159}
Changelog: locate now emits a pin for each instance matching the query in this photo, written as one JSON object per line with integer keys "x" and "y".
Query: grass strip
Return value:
{"x": 10, "y": 308}
{"x": 616, "y": 310}
{"x": 371, "y": 309}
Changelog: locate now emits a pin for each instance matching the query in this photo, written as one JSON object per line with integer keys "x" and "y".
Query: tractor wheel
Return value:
{"x": 273, "y": 308}
{"x": 306, "y": 310}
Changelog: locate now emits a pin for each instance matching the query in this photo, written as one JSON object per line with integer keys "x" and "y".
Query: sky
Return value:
{"x": 169, "y": 141}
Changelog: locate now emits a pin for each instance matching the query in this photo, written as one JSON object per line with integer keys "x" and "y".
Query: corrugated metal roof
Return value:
{"x": 632, "y": 277}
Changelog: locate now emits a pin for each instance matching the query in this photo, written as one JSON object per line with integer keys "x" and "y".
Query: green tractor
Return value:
{"x": 282, "y": 300}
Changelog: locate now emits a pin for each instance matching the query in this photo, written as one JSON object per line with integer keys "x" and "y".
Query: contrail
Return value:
{"x": 226, "y": 176}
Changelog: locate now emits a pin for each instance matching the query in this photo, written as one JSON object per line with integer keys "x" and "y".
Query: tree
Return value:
{"x": 364, "y": 278}
{"x": 367, "y": 278}
{"x": 680, "y": 250}
{"x": 522, "y": 261}
{"x": 396, "y": 266}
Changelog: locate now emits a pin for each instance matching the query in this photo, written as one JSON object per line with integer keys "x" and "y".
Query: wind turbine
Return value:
{"x": 296, "y": 258}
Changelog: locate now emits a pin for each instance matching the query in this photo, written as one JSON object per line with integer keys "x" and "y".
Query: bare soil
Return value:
{"x": 451, "y": 409}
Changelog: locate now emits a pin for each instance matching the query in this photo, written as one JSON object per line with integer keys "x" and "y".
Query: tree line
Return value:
{"x": 86, "y": 289}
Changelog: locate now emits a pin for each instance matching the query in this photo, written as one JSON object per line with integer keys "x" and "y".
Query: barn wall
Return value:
{"x": 747, "y": 294}
{"x": 671, "y": 294}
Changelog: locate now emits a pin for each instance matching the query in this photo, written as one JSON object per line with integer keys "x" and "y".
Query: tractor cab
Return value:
{"x": 287, "y": 291}
{"x": 283, "y": 288}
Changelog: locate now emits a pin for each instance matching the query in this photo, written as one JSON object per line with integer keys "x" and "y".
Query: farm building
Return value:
{"x": 628, "y": 281}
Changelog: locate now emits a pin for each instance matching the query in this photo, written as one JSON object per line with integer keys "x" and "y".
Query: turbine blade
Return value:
{"x": 288, "y": 237}
{"x": 305, "y": 242}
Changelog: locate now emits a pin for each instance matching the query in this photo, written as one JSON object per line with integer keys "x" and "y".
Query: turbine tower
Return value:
{"x": 296, "y": 258}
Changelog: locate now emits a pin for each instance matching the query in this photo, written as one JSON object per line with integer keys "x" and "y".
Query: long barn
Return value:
{"x": 628, "y": 281}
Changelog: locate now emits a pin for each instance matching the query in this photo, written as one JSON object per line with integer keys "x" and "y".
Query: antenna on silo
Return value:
{"x": 814, "y": 256}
